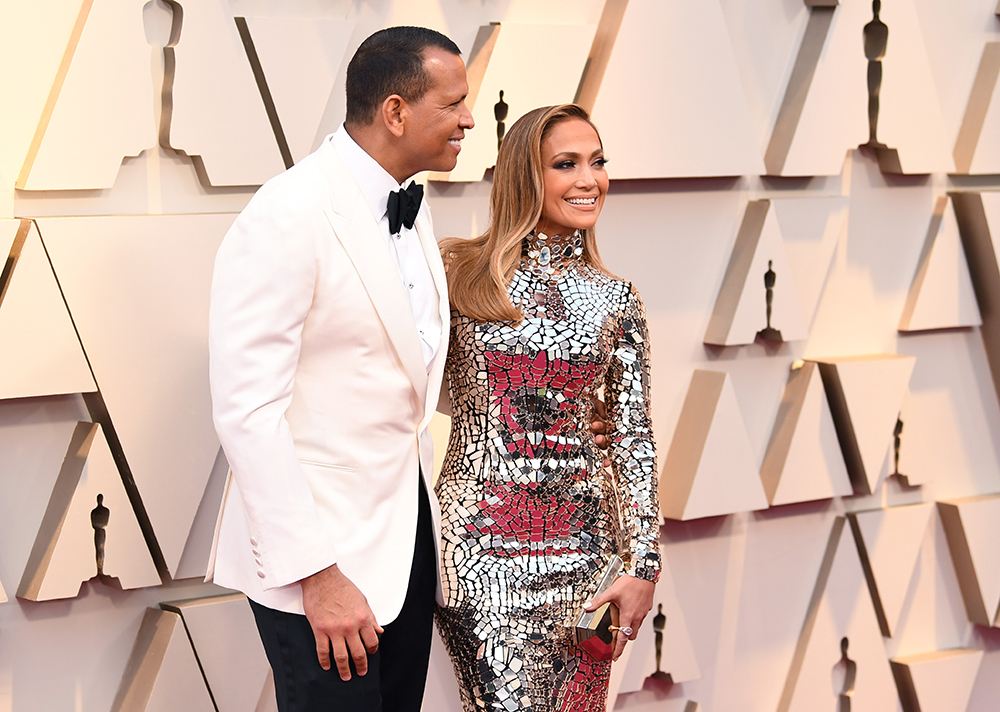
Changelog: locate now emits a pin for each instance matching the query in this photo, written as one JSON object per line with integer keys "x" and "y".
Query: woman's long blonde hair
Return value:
{"x": 480, "y": 269}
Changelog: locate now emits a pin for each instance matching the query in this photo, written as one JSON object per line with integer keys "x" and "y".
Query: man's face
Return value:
{"x": 436, "y": 124}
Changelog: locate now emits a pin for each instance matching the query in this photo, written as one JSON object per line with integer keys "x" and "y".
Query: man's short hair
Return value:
{"x": 391, "y": 61}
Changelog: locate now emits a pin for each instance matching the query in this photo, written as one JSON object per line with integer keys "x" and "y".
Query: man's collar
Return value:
{"x": 373, "y": 180}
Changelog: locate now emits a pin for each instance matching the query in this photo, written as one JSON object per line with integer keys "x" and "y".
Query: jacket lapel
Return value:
{"x": 433, "y": 256}
{"x": 358, "y": 232}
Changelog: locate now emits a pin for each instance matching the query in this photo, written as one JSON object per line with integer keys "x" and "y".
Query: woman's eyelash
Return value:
{"x": 570, "y": 164}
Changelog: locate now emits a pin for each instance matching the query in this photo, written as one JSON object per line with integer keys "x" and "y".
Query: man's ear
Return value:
{"x": 393, "y": 114}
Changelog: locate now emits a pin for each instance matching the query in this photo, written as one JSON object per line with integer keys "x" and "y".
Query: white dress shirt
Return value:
{"x": 376, "y": 184}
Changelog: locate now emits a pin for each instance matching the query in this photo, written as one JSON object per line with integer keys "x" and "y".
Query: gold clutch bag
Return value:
{"x": 595, "y": 630}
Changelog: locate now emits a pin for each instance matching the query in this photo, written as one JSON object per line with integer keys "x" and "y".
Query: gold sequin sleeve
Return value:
{"x": 632, "y": 450}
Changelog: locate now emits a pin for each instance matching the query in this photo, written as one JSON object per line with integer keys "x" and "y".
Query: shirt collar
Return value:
{"x": 373, "y": 180}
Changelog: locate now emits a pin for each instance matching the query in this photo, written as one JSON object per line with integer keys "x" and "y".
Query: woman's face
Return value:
{"x": 573, "y": 176}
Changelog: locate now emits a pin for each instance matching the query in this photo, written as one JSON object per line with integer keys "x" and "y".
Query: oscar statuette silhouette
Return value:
{"x": 876, "y": 38}
{"x": 897, "y": 436}
{"x": 500, "y": 110}
{"x": 659, "y": 682}
{"x": 769, "y": 333}
{"x": 845, "y": 674}
{"x": 99, "y": 518}
{"x": 659, "y": 623}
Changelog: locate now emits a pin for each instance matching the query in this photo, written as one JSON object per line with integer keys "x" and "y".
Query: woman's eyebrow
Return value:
{"x": 574, "y": 154}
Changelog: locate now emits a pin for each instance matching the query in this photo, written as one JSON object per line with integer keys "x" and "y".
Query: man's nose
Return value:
{"x": 466, "y": 121}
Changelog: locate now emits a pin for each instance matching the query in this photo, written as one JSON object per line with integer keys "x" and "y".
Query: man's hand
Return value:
{"x": 634, "y": 598}
{"x": 600, "y": 426}
{"x": 340, "y": 618}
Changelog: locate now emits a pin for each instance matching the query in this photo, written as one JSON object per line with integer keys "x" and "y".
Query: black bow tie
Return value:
{"x": 403, "y": 207}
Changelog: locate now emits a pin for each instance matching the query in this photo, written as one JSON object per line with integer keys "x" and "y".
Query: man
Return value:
{"x": 328, "y": 334}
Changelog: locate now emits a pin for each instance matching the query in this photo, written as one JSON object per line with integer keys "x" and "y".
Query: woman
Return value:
{"x": 530, "y": 516}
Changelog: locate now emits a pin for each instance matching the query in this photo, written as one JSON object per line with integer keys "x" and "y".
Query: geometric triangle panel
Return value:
{"x": 865, "y": 394}
{"x": 103, "y": 110}
{"x": 803, "y": 461}
{"x": 986, "y": 159}
{"x": 289, "y": 48}
{"x": 977, "y": 148}
{"x": 36, "y": 36}
{"x": 939, "y": 681}
{"x": 972, "y": 527}
{"x": 686, "y": 46}
{"x": 89, "y": 530}
{"x": 978, "y": 216}
{"x": 138, "y": 288}
{"x": 941, "y": 296}
{"x": 840, "y": 658}
{"x": 910, "y": 122}
{"x": 503, "y": 67}
{"x": 772, "y": 592}
{"x": 198, "y": 548}
{"x": 218, "y": 114}
{"x": 991, "y": 207}
{"x": 9, "y": 230}
{"x": 758, "y": 298}
{"x": 710, "y": 468}
{"x": 889, "y": 541}
{"x": 40, "y": 353}
{"x": 814, "y": 38}
{"x": 227, "y": 644}
{"x": 811, "y": 229}
{"x": 918, "y": 438}
{"x": 162, "y": 674}
{"x": 823, "y": 112}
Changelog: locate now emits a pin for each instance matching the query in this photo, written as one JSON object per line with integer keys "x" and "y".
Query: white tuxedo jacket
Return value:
{"x": 320, "y": 392}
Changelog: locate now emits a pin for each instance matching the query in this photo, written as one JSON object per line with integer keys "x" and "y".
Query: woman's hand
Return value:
{"x": 599, "y": 426}
{"x": 634, "y": 598}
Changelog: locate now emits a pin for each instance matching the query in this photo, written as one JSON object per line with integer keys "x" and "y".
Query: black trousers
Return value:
{"x": 397, "y": 671}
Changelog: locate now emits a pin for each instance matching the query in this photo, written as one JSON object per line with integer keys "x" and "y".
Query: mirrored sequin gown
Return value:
{"x": 530, "y": 518}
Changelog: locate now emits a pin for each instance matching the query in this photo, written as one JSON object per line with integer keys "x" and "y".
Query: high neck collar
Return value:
{"x": 547, "y": 255}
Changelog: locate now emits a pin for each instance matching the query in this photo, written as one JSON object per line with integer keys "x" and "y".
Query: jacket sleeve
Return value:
{"x": 633, "y": 452}
{"x": 262, "y": 290}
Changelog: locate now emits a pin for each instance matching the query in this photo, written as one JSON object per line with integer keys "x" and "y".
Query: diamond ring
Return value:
{"x": 625, "y": 630}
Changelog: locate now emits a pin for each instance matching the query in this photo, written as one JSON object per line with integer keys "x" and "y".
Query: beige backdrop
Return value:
{"x": 132, "y": 162}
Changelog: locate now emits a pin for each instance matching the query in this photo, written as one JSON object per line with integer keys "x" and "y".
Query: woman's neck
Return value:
{"x": 547, "y": 255}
